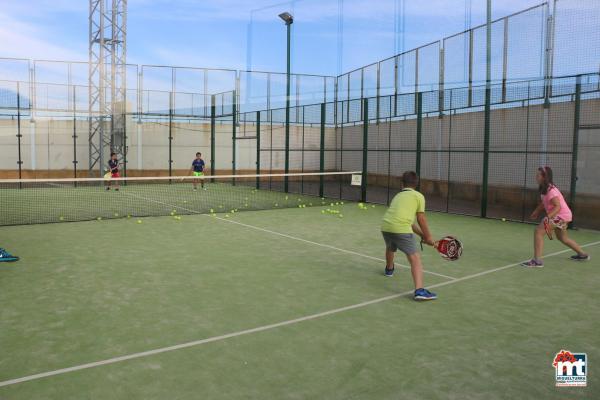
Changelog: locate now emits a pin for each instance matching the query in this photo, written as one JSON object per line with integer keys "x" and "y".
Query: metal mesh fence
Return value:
{"x": 444, "y": 142}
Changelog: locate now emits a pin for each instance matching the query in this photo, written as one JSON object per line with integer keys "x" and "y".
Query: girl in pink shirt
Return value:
{"x": 558, "y": 214}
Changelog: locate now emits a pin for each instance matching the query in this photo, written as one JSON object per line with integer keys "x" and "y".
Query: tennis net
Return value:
{"x": 35, "y": 201}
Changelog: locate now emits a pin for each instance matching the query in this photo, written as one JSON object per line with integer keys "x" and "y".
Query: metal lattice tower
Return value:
{"x": 107, "y": 81}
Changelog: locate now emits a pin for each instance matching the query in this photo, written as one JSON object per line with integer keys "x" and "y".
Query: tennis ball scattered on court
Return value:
{"x": 331, "y": 204}
{"x": 61, "y": 218}
{"x": 139, "y": 221}
{"x": 172, "y": 213}
{"x": 286, "y": 197}
{"x": 276, "y": 205}
{"x": 322, "y": 211}
{"x": 128, "y": 216}
{"x": 99, "y": 218}
{"x": 246, "y": 205}
{"x": 226, "y": 215}
{"x": 341, "y": 215}
{"x": 342, "y": 203}
{"x": 299, "y": 205}
{"x": 116, "y": 214}
{"x": 372, "y": 205}
{"x": 503, "y": 219}
{"x": 212, "y": 211}
{"x": 310, "y": 204}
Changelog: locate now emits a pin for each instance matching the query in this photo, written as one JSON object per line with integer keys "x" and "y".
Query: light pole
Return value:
{"x": 289, "y": 20}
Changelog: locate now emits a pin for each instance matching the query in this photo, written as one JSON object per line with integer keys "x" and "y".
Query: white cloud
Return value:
{"x": 25, "y": 40}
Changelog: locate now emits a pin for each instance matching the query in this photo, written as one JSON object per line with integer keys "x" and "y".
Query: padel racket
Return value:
{"x": 450, "y": 248}
{"x": 108, "y": 175}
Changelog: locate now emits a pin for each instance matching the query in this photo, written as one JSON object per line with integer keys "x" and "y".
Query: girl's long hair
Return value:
{"x": 546, "y": 173}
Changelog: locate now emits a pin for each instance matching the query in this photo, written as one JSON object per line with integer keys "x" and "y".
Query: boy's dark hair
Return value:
{"x": 198, "y": 154}
{"x": 410, "y": 179}
{"x": 112, "y": 154}
{"x": 546, "y": 173}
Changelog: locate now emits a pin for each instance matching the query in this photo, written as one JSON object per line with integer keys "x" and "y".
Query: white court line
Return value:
{"x": 288, "y": 236}
{"x": 258, "y": 329}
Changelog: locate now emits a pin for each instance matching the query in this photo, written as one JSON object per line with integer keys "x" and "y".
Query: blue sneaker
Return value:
{"x": 5, "y": 256}
{"x": 389, "y": 272}
{"x": 424, "y": 294}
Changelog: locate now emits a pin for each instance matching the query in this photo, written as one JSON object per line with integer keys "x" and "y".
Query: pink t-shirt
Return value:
{"x": 565, "y": 212}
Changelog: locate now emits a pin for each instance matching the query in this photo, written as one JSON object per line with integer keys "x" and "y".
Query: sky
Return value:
{"x": 240, "y": 34}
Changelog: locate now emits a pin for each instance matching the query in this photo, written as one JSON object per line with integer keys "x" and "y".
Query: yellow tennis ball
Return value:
{"x": 116, "y": 214}
{"x": 61, "y": 218}
{"x": 99, "y": 218}
{"x": 128, "y": 216}
{"x": 341, "y": 215}
{"x": 226, "y": 215}
{"x": 503, "y": 219}
{"x": 139, "y": 221}
{"x": 322, "y": 211}
{"x": 212, "y": 211}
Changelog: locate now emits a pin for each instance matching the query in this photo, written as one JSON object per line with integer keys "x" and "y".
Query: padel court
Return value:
{"x": 289, "y": 303}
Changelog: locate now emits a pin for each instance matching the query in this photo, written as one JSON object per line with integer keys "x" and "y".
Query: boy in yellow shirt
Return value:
{"x": 398, "y": 227}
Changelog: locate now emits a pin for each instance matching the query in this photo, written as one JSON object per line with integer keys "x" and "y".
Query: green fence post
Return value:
{"x": 419, "y": 134}
{"x": 233, "y": 136}
{"x": 363, "y": 186}
{"x": 170, "y": 134}
{"x": 576, "y": 118}
{"x": 20, "y": 161}
{"x": 213, "y": 126}
{"x": 488, "y": 100}
{"x": 322, "y": 152}
{"x": 486, "y": 153}
{"x": 257, "y": 149}
{"x": 75, "y": 141}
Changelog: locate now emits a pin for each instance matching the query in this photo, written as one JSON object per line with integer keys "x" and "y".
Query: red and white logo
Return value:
{"x": 571, "y": 368}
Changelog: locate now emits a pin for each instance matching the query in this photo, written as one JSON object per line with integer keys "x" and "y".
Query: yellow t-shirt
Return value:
{"x": 402, "y": 211}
